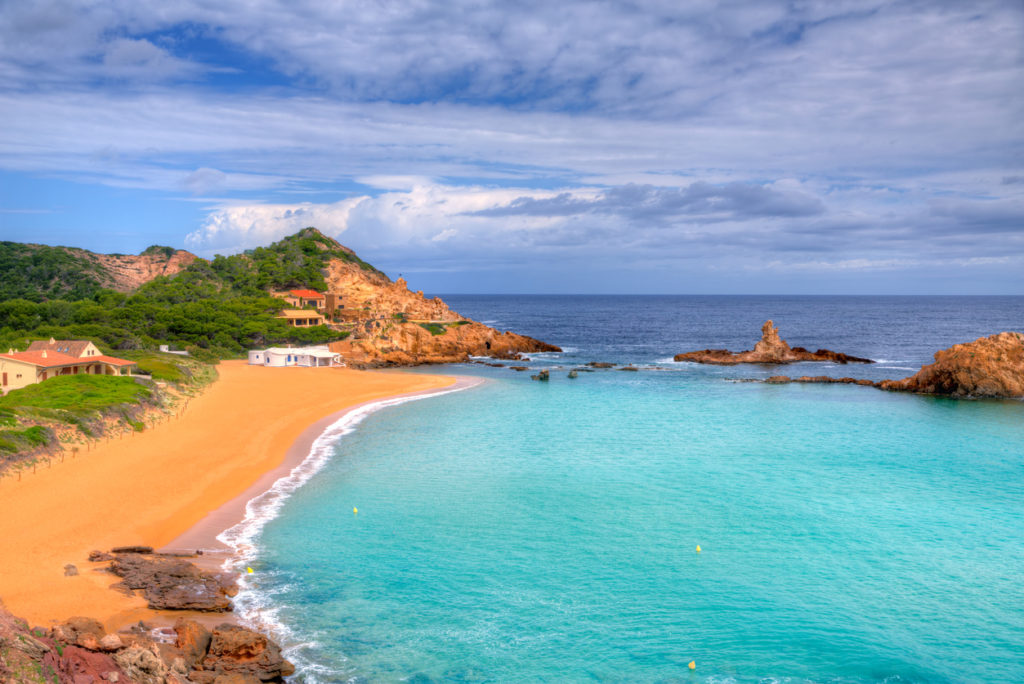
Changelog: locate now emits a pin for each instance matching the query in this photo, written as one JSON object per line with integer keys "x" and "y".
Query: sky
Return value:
{"x": 474, "y": 146}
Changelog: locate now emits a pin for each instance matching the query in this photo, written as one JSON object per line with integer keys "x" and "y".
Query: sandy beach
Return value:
{"x": 177, "y": 484}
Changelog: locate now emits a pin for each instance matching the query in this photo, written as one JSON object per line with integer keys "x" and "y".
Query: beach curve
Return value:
{"x": 157, "y": 485}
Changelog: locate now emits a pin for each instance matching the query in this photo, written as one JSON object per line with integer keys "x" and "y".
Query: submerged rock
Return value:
{"x": 542, "y": 376}
{"x": 770, "y": 349}
{"x": 573, "y": 375}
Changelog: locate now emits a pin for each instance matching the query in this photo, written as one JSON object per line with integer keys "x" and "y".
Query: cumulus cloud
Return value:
{"x": 862, "y": 132}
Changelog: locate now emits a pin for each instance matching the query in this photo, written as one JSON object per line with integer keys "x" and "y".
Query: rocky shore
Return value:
{"x": 989, "y": 367}
{"x": 770, "y": 349}
{"x": 81, "y": 651}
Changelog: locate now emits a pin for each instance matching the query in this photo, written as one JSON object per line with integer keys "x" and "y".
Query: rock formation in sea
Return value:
{"x": 987, "y": 367}
{"x": 770, "y": 349}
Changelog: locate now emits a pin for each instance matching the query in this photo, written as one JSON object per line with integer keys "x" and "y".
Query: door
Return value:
{"x": 4, "y": 383}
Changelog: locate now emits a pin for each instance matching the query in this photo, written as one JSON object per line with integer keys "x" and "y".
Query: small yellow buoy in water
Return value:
{"x": 355, "y": 511}
{"x": 249, "y": 570}
{"x": 692, "y": 665}
{"x": 698, "y": 548}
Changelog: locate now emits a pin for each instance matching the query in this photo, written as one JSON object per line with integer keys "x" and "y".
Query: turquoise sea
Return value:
{"x": 519, "y": 531}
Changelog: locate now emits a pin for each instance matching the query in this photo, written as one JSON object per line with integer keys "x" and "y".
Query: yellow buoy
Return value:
{"x": 698, "y": 548}
{"x": 692, "y": 665}
{"x": 355, "y": 511}
{"x": 249, "y": 570}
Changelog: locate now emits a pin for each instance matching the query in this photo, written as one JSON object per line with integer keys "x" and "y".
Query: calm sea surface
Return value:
{"x": 521, "y": 531}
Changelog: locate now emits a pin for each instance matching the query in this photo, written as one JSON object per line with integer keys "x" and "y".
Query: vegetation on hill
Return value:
{"x": 215, "y": 309}
{"x": 38, "y": 272}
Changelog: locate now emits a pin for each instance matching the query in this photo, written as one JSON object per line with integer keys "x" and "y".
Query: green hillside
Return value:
{"x": 215, "y": 309}
{"x": 39, "y": 272}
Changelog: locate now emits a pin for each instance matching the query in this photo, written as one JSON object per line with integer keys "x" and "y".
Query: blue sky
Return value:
{"x": 641, "y": 146}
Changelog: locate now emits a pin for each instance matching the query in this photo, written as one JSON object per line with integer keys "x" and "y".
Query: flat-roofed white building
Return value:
{"x": 309, "y": 357}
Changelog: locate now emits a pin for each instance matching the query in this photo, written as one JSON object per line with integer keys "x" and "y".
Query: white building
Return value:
{"x": 295, "y": 356}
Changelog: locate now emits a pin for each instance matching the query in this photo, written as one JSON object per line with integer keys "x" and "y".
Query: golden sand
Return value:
{"x": 155, "y": 486}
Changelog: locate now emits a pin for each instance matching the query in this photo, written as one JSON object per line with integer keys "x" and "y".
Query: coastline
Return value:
{"x": 207, "y": 534}
{"x": 175, "y": 480}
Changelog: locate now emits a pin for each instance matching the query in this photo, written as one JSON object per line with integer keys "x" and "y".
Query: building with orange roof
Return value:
{"x": 42, "y": 361}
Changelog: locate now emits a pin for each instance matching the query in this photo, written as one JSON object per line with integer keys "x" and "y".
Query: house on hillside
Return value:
{"x": 312, "y": 357}
{"x": 301, "y": 298}
{"x": 302, "y": 318}
{"x": 44, "y": 360}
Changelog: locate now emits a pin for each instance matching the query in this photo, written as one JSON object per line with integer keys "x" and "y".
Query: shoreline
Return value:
{"x": 174, "y": 479}
{"x": 206, "y": 534}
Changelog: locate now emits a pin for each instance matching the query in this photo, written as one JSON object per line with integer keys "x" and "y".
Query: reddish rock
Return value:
{"x": 988, "y": 367}
{"x": 240, "y": 651}
{"x": 770, "y": 349}
{"x": 193, "y": 640}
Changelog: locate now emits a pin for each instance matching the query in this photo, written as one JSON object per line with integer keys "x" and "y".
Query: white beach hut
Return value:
{"x": 312, "y": 357}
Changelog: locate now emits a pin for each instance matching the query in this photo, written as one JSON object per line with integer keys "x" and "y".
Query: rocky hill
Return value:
{"x": 41, "y": 272}
{"x": 221, "y": 307}
{"x": 391, "y": 325}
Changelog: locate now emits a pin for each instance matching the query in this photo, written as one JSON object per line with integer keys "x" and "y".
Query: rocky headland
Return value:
{"x": 989, "y": 367}
{"x": 771, "y": 349}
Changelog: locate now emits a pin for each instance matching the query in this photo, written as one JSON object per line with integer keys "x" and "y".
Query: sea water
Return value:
{"x": 523, "y": 531}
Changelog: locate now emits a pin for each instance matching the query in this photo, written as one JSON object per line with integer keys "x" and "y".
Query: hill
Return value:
{"x": 40, "y": 272}
{"x": 222, "y": 307}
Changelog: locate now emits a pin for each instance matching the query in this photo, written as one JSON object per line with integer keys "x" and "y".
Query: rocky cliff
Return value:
{"x": 125, "y": 272}
{"x": 988, "y": 367}
{"x": 391, "y": 325}
{"x": 770, "y": 349}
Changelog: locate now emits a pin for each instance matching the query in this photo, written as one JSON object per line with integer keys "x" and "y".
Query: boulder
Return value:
{"x": 70, "y": 570}
{"x": 79, "y": 631}
{"x": 573, "y": 375}
{"x": 193, "y": 640}
{"x": 99, "y": 557}
{"x": 542, "y": 376}
{"x": 142, "y": 665}
{"x": 601, "y": 364}
{"x": 240, "y": 651}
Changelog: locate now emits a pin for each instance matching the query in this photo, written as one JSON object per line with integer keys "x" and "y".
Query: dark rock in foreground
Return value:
{"x": 771, "y": 349}
{"x": 173, "y": 583}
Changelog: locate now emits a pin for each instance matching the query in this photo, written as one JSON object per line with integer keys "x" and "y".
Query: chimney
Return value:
{"x": 53, "y": 341}
{"x": 44, "y": 353}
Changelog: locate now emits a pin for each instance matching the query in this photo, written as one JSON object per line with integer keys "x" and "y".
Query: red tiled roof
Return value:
{"x": 307, "y": 294}
{"x": 56, "y": 359}
{"x": 112, "y": 360}
{"x": 36, "y": 358}
{"x": 70, "y": 347}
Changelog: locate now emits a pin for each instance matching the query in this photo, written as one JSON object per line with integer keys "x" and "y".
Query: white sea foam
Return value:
{"x": 898, "y": 367}
{"x": 256, "y": 607}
